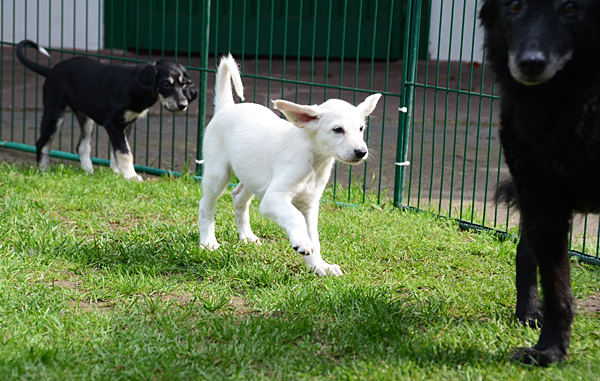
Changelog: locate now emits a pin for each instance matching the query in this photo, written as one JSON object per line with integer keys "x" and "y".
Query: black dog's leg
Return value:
{"x": 52, "y": 121}
{"x": 121, "y": 153}
{"x": 84, "y": 146}
{"x": 528, "y": 309}
{"x": 546, "y": 233}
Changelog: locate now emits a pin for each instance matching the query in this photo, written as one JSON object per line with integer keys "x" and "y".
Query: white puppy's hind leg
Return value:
{"x": 214, "y": 183}
{"x": 241, "y": 203}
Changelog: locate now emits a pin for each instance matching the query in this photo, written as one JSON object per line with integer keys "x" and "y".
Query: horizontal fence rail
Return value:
{"x": 433, "y": 137}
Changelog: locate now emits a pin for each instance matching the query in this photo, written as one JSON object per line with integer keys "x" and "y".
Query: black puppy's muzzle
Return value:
{"x": 534, "y": 59}
{"x": 532, "y": 63}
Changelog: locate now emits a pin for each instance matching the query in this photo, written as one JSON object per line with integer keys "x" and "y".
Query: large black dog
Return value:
{"x": 112, "y": 96}
{"x": 546, "y": 57}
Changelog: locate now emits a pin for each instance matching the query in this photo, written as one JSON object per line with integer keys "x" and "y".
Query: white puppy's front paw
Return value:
{"x": 210, "y": 245}
{"x": 302, "y": 246}
{"x": 327, "y": 269}
{"x": 250, "y": 238}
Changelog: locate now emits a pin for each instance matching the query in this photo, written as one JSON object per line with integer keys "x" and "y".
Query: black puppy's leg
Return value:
{"x": 52, "y": 122}
{"x": 121, "y": 153}
{"x": 528, "y": 309}
{"x": 546, "y": 233}
{"x": 84, "y": 146}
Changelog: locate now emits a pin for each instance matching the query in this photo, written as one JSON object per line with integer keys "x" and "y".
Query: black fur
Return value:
{"x": 107, "y": 94}
{"x": 546, "y": 58}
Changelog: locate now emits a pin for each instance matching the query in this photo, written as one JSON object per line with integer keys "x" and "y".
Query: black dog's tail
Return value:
{"x": 507, "y": 194}
{"x": 41, "y": 70}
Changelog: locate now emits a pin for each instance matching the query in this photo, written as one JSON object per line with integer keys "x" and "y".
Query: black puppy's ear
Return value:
{"x": 145, "y": 82}
{"x": 190, "y": 90}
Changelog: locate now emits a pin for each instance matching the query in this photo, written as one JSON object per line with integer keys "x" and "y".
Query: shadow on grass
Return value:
{"x": 294, "y": 317}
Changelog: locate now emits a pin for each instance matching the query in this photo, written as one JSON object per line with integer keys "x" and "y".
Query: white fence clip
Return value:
{"x": 403, "y": 109}
{"x": 199, "y": 161}
{"x": 403, "y": 164}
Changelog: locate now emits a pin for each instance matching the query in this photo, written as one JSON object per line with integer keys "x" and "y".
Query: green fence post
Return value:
{"x": 409, "y": 73}
{"x": 202, "y": 85}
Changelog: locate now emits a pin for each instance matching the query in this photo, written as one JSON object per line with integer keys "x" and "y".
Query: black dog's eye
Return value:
{"x": 338, "y": 130}
{"x": 167, "y": 84}
{"x": 515, "y": 5}
{"x": 569, "y": 7}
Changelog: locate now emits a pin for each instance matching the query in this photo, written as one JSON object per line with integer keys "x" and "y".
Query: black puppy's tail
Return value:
{"x": 41, "y": 70}
{"x": 507, "y": 194}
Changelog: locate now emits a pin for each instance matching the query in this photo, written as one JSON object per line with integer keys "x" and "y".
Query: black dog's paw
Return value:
{"x": 532, "y": 356}
{"x": 531, "y": 319}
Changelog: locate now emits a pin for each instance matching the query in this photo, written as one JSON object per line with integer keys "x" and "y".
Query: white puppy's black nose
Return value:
{"x": 360, "y": 152}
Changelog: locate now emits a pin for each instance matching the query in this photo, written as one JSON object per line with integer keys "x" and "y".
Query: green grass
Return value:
{"x": 101, "y": 278}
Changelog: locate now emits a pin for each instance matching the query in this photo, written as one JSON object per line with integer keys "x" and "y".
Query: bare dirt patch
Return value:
{"x": 87, "y": 306}
{"x": 591, "y": 305}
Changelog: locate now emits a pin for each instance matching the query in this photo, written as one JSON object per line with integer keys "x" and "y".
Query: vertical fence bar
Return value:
{"x": 205, "y": 40}
{"x": 12, "y": 90}
{"x": 409, "y": 69}
{"x": 2, "y": 71}
{"x": 24, "y": 125}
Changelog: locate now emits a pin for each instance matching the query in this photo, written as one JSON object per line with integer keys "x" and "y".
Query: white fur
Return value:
{"x": 132, "y": 116}
{"x": 285, "y": 163}
{"x": 171, "y": 103}
{"x": 45, "y": 160}
{"x": 43, "y": 51}
{"x": 124, "y": 165}
{"x": 84, "y": 148}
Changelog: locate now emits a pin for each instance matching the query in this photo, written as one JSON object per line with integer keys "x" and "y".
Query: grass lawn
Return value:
{"x": 102, "y": 278}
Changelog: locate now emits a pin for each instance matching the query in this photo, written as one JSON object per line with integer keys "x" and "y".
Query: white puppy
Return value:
{"x": 286, "y": 164}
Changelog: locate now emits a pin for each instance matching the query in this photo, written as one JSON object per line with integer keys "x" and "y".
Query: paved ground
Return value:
{"x": 454, "y": 163}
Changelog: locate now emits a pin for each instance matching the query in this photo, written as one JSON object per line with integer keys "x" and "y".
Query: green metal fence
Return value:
{"x": 449, "y": 139}
{"x": 433, "y": 137}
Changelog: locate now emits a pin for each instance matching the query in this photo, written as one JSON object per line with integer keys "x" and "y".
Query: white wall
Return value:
{"x": 68, "y": 23}
{"x": 452, "y": 30}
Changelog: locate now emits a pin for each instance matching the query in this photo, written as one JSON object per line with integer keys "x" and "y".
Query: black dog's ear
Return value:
{"x": 190, "y": 90}
{"x": 145, "y": 82}
{"x": 488, "y": 12}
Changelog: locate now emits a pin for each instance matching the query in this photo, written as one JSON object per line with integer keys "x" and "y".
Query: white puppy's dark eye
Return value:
{"x": 362, "y": 128}
{"x": 338, "y": 130}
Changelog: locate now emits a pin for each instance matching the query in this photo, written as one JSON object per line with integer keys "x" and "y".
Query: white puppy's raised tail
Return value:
{"x": 228, "y": 72}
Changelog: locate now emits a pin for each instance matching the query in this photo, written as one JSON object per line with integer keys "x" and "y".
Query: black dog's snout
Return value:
{"x": 532, "y": 63}
{"x": 182, "y": 105}
{"x": 360, "y": 152}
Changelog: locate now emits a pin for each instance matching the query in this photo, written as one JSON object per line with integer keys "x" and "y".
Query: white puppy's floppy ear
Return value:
{"x": 368, "y": 105}
{"x": 298, "y": 115}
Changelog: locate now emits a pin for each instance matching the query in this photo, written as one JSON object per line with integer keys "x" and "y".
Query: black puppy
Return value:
{"x": 112, "y": 96}
{"x": 546, "y": 57}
